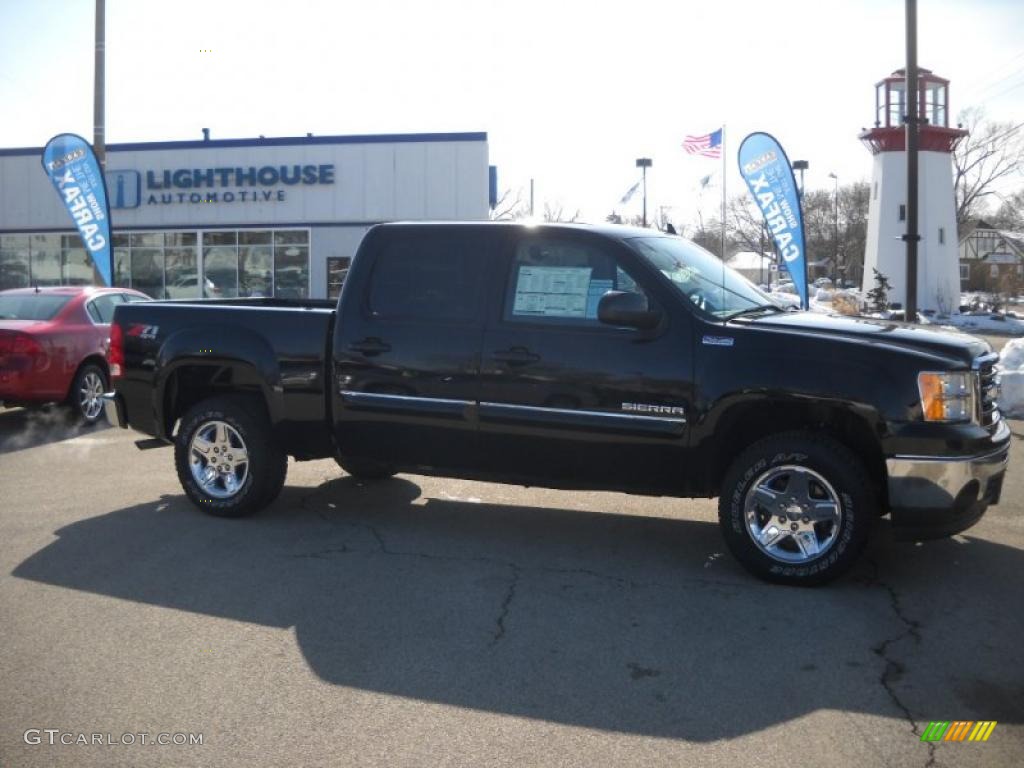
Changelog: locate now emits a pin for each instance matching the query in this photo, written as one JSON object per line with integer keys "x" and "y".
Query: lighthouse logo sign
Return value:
{"x": 769, "y": 176}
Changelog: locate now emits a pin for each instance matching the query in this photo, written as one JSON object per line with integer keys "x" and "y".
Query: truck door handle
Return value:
{"x": 516, "y": 356}
{"x": 370, "y": 346}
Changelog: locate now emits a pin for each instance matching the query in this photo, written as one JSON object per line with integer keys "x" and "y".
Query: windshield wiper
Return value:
{"x": 752, "y": 310}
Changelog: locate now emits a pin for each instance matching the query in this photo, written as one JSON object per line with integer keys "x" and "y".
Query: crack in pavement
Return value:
{"x": 894, "y": 670}
{"x": 506, "y": 604}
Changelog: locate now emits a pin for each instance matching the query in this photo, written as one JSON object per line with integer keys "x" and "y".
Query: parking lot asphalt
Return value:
{"x": 422, "y": 621}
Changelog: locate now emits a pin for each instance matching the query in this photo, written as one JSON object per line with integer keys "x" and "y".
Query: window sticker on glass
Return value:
{"x": 552, "y": 291}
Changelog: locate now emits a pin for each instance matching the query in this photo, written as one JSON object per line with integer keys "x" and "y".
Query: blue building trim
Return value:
{"x": 278, "y": 141}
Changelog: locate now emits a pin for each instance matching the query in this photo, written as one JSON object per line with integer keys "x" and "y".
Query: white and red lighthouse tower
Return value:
{"x": 938, "y": 271}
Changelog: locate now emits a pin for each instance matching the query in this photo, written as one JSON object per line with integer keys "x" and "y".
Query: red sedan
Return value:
{"x": 52, "y": 345}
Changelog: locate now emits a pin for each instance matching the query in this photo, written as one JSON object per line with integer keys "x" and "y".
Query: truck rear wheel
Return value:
{"x": 226, "y": 460}
{"x": 796, "y": 508}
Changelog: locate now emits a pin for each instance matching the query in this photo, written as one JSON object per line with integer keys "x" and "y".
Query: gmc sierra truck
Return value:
{"x": 575, "y": 357}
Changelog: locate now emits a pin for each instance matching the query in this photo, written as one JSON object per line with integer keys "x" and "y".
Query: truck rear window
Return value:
{"x": 31, "y": 306}
{"x": 427, "y": 277}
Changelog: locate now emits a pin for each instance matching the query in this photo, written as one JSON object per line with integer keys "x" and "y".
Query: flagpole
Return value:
{"x": 723, "y": 193}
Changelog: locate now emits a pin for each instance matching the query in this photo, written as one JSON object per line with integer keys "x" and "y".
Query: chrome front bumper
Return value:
{"x": 931, "y": 497}
{"x": 113, "y": 409}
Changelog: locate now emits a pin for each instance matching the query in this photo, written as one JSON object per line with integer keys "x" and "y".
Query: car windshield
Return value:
{"x": 31, "y": 306}
{"x": 702, "y": 277}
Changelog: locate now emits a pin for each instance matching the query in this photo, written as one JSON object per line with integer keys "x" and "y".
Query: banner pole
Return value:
{"x": 723, "y": 193}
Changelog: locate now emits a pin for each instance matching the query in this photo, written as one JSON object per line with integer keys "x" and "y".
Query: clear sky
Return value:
{"x": 569, "y": 92}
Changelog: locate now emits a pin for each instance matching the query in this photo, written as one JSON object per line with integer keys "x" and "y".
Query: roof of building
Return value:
{"x": 1004, "y": 237}
{"x": 274, "y": 141}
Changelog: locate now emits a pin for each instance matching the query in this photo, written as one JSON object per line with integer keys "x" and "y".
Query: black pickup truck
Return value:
{"x": 580, "y": 358}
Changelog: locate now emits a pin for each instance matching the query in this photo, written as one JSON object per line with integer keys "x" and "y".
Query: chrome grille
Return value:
{"x": 988, "y": 389}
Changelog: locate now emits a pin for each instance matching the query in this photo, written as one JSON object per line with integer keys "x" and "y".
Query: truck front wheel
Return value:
{"x": 796, "y": 508}
{"x": 227, "y": 462}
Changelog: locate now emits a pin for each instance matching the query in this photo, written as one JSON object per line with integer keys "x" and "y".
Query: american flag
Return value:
{"x": 708, "y": 145}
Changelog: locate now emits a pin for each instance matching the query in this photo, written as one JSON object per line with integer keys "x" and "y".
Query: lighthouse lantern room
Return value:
{"x": 938, "y": 271}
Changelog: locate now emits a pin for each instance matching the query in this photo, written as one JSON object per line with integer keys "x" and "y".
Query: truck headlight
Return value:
{"x": 946, "y": 397}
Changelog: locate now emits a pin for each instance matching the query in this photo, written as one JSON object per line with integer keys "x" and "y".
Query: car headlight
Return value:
{"x": 947, "y": 397}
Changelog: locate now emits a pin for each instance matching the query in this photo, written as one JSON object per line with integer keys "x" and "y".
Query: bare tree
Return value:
{"x": 993, "y": 151}
{"x": 556, "y": 212}
{"x": 1010, "y": 214}
{"x": 510, "y": 207}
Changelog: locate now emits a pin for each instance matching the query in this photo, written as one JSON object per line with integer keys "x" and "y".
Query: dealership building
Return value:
{"x": 239, "y": 217}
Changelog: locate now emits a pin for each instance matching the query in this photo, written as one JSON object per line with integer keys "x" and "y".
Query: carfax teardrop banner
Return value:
{"x": 76, "y": 175}
{"x": 766, "y": 169}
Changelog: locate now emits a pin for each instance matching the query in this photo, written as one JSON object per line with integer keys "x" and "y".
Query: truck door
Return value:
{"x": 569, "y": 400}
{"x": 407, "y": 348}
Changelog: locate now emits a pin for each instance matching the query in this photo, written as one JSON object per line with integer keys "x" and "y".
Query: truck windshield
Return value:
{"x": 701, "y": 276}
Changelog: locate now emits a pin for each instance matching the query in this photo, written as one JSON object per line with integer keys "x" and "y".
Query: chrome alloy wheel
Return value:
{"x": 793, "y": 514}
{"x": 90, "y": 396}
{"x": 218, "y": 459}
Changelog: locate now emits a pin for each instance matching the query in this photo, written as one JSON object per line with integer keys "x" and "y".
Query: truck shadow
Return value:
{"x": 22, "y": 428}
{"x": 621, "y": 623}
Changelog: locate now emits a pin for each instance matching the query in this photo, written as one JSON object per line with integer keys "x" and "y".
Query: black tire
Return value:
{"x": 366, "y": 469}
{"x": 254, "y": 486}
{"x": 803, "y": 460}
{"x": 86, "y": 407}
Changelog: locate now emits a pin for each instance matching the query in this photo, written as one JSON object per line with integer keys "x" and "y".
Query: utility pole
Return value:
{"x": 835, "y": 231}
{"x": 912, "y": 117}
{"x": 99, "y": 140}
{"x": 644, "y": 163}
{"x": 531, "y": 198}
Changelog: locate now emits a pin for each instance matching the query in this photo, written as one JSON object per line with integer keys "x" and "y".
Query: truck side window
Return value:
{"x": 426, "y": 278}
{"x": 562, "y": 282}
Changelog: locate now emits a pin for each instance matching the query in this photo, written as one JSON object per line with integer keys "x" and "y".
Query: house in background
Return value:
{"x": 991, "y": 260}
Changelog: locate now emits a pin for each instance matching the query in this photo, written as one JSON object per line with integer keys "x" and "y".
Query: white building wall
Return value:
{"x": 938, "y": 279}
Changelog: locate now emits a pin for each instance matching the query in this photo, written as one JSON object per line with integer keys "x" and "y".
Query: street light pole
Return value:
{"x": 801, "y": 165}
{"x": 99, "y": 140}
{"x": 644, "y": 163}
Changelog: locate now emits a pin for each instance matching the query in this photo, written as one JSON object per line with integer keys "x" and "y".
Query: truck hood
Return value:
{"x": 950, "y": 344}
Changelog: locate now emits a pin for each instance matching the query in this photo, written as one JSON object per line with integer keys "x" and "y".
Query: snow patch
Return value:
{"x": 1011, "y": 373}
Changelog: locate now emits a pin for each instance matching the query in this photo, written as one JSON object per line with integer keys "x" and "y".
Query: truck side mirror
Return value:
{"x": 627, "y": 310}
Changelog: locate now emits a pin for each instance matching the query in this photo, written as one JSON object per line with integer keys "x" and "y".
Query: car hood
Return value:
{"x": 951, "y": 344}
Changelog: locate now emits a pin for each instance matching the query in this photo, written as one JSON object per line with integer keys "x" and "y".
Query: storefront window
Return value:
{"x": 122, "y": 263}
{"x": 77, "y": 263}
{"x": 337, "y": 270}
{"x": 46, "y": 260}
{"x": 291, "y": 271}
{"x": 168, "y": 264}
{"x": 148, "y": 271}
{"x": 220, "y": 266}
{"x": 255, "y": 264}
{"x": 182, "y": 273}
{"x": 14, "y": 261}
{"x": 147, "y": 239}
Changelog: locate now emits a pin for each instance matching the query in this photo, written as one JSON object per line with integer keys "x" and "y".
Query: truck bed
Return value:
{"x": 277, "y": 348}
